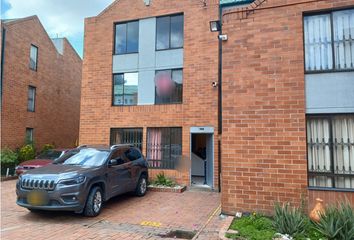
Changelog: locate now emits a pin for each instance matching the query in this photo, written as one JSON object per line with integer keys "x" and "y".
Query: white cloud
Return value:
{"x": 64, "y": 18}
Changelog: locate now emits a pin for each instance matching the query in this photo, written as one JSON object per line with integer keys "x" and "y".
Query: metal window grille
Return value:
{"x": 133, "y": 136}
{"x": 330, "y": 142}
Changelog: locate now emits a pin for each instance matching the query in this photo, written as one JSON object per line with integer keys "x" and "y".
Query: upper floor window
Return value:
{"x": 330, "y": 143}
{"x": 329, "y": 41}
{"x": 31, "y": 98}
{"x": 168, "y": 86}
{"x": 125, "y": 89}
{"x": 169, "y": 32}
{"x": 126, "y": 38}
{"x": 33, "y": 57}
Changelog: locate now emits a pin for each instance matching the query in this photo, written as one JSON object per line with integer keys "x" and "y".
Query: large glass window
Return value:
{"x": 125, "y": 89}
{"x": 329, "y": 42}
{"x": 330, "y": 142}
{"x": 33, "y": 57}
{"x": 169, "y": 86}
{"x": 127, "y": 38}
{"x": 164, "y": 147}
{"x": 133, "y": 136}
{"x": 169, "y": 32}
{"x": 31, "y": 98}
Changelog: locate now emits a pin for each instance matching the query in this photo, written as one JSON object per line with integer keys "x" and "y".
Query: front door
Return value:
{"x": 202, "y": 157}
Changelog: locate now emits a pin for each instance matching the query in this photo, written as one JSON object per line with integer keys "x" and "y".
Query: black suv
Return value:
{"x": 82, "y": 179}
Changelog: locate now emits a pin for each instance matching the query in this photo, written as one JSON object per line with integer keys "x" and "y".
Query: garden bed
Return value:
{"x": 292, "y": 223}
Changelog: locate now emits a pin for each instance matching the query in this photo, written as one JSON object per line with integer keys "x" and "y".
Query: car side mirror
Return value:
{"x": 112, "y": 162}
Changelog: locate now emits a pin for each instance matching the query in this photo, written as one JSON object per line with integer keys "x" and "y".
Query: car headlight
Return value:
{"x": 73, "y": 181}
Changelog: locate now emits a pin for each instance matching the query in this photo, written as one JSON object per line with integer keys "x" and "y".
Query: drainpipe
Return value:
{"x": 3, "y": 36}
{"x": 220, "y": 98}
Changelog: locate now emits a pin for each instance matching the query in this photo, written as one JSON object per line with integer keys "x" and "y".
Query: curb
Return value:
{"x": 167, "y": 189}
{"x": 225, "y": 227}
{"x": 3, "y": 179}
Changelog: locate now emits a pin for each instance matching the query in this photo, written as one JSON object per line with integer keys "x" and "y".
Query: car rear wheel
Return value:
{"x": 94, "y": 202}
{"x": 141, "y": 187}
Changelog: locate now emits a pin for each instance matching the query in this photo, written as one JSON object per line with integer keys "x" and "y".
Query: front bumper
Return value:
{"x": 62, "y": 198}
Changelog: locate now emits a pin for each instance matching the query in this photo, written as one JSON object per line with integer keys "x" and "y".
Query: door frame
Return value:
{"x": 207, "y": 131}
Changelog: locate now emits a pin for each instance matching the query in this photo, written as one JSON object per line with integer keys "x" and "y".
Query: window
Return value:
{"x": 132, "y": 154}
{"x": 31, "y": 98}
{"x": 329, "y": 41}
{"x": 169, "y": 32}
{"x": 164, "y": 147}
{"x": 169, "y": 86}
{"x": 127, "y": 38}
{"x": 33, "y": 57}
{"x": 133, "y": 136}
{"x": 125, "y": 89}
{"x": 330, "y": 141}
{"x": 29, "y": 134}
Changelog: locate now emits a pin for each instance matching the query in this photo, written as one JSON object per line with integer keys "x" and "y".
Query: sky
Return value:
{"x": 61, "y": 18}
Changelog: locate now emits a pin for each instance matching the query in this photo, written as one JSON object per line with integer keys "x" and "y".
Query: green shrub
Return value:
{"x": 26, "y": 152}
{"x": 47, "y": 147}
{"x": 289, "y": 220}
{"x": 162, "y": 180}
{"x": 337, "y": 222}
{"x": 8, "y": 158}
{"x": 254, "y": 227}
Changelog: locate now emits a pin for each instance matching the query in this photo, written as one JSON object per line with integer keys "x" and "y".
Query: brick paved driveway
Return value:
{"x": 123, "y": 217}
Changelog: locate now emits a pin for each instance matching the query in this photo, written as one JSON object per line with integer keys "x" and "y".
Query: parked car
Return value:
{"x": 83, "y": 179}
{"x": 41, "y": 160}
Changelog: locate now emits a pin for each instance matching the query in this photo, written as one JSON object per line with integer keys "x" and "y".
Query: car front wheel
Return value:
{"x": 141, "y": 186}
{"x": 94, "y": 202}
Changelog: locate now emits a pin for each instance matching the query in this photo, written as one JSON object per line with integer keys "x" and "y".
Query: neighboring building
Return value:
{"x": 288, "y": 103}
{"x": 148, "y": 74}
{"x": 40, "y": 86}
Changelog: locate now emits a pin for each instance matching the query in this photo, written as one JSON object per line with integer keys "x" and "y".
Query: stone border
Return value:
{"x": 166, "y": 189}
{"x": 3, "y": 179}
{"x": 225, "y": 227}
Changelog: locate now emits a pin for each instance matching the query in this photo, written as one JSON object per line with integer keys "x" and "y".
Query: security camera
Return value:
{"x": 215, "y": 84}
{"x": 223, "y": 37}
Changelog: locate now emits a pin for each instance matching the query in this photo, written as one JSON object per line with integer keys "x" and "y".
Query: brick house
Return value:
{"x": 146, "y": 83}
{"x": 41, "y": 83}
{"x": 288, "y": 103}
{"x": 150, "y": 78}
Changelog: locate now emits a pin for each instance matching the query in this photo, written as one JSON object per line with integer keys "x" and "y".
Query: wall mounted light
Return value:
{"x": 215, "y": 26}
{"x": 223, "y": 37}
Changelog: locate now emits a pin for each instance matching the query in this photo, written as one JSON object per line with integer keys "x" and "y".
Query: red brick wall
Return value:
{"x": 329, "y": 197}
{"x": 199, "y": 106}
{"x": 264, "y": 141}
{"x": 58, "y": 83}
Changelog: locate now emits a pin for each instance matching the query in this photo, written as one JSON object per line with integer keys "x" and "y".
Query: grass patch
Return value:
{"x": 253, "y": 227}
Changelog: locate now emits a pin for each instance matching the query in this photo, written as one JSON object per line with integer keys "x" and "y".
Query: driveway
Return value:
{"x": 123, "y": 217}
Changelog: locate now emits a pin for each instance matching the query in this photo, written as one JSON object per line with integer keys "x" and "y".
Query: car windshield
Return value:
{"x": 85, "y": 157}
{"x": 50, "y": 154}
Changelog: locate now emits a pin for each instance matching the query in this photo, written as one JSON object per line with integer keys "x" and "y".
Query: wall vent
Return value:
{"x": 147, "y": 2}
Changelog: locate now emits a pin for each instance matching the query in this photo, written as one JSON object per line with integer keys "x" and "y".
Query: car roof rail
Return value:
{"x": 81, "y": 146}
{"x": 121, "y": 145}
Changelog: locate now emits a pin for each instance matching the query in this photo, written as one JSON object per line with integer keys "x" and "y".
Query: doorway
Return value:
{"x": 202, "y": 160}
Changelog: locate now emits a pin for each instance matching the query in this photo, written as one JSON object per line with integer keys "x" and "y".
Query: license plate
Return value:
{"x": 37, "y": 198}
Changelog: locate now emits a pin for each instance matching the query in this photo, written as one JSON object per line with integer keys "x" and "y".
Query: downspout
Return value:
{"x": 3, "y": 36}
{"x": 219, "y": 98}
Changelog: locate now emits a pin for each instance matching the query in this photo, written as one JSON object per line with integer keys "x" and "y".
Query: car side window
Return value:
{"x": 133, "y": 154}
{"x": 119, "y": 155}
